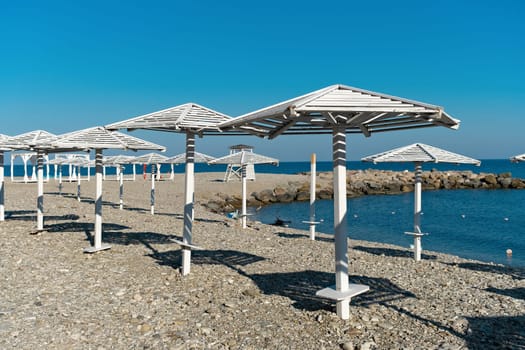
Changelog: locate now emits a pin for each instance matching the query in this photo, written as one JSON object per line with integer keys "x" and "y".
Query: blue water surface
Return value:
{"x": 474, "y": 224}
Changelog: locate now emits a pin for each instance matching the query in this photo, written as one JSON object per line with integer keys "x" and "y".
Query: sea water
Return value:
{"x": 474, "y": 224}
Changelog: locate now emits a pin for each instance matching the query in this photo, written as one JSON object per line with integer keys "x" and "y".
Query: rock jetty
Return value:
{"x": 368, "y": 182}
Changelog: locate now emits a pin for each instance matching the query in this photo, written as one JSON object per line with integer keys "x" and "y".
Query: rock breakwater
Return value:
{"x": 368, "y": 182}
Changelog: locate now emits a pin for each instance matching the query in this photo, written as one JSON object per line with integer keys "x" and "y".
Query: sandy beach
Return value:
{"x": 248, "y": 289}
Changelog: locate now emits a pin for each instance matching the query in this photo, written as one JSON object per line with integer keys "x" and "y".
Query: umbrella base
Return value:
{"x": 92, "y": 249}
{"x": 333, "y": 294}
{"x": 186, "y": 245}
{"x": 416, "y": 234}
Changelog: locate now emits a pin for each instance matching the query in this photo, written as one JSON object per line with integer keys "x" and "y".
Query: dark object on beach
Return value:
{"x": 279, "y": 222}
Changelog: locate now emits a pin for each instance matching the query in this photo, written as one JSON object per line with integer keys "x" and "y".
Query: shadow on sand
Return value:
{"x": 396, "y": 253}
{"x": 514, "y": 272}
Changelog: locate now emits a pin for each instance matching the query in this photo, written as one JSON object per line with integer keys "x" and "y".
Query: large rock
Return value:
{"x": 325, "y": 193}
{"x": 490, "y": 179}
{"x": 302, "y": 196}
{"x": 265, "y": 196}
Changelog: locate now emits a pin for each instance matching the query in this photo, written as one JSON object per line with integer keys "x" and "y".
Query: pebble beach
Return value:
{"x": 248, "y": 289}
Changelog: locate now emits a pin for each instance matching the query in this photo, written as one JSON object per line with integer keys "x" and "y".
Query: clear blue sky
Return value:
{"x": 67, "y": 65}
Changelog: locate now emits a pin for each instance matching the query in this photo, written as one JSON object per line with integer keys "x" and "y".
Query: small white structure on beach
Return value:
{"x": 242, "y": 159}
{"x": 234, "y": 170}
{"x": 419, "y": 153}
{"x": 338, "y": 110}
{"x": 98, "y": 138}
{"x": 155, "y": 160}
{"x": 118, "y": 162}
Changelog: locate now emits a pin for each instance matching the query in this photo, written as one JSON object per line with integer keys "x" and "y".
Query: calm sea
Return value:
{"x": 475, "y": 224}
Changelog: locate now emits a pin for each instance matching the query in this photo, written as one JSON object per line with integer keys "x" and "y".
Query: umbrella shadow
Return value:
{"x": 131, "y": 238}
{"x": 516, "y": 293}
{"x": 397, "y": 253}
{"x": 230, "y": 258}
{"x": 500, "y": 332}
{"x": 298, "y": 235}
{"x": 514, "y": 272}
{"x": 301, "y": 287}
{"x": 82, "y": 227}
{"x": 29, "y": 215}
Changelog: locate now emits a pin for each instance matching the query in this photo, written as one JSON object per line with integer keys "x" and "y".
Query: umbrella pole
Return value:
{"x": 417, "y": 212}
{"x": 40, "y": 199}
{"x": 152, "y": 196}
{"x": 60, "y": 179}
{"x": 312, "y": 196}
{"x": 25, "y": 159}
{"x": 341, "y": 243}
{"x": 12, "y": 167}
{"x": 78, "y": 183}
{"x": 98, "y": 207}
{"x": 2, "y": 207}
{"x": 343, "y": 291}
{"x": 121, "y": 189}
{"x": 243, "y": 213}
{"x": 189, "y": 185}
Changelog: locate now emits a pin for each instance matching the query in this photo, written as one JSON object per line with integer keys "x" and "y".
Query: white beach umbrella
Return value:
{"x": 190, "y": 119}
{"x": 119, "y": 161}
{"x": 181, "y": 158}
{"x": 98, "y": 138}
{"x": 154, "y": 159}
{"x": 338, "y": 110}
{"x": 419, "y": 153}
{"x": 39, "y": 141}
{"x": 242, "y": 159}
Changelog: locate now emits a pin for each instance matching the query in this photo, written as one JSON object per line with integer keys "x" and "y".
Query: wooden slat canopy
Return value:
{"x": 419, "y": 152}
{"x": 151, "y": 158}
{"x": 198, "y": 158}
{"x": 358, "y": 110}
{"x": 244, "y": 158}
{"x": 100, "y": 138}
{"x": 186, "y": 117}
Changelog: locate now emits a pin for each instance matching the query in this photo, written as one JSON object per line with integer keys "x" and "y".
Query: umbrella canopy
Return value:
{"x": 183, "y": 118}
{"x": 151, "y": 158}
{"x": 245, "y": 157}
{"x": 518, "y": 158}
{"x": 191, "y": 119}
{"x": 33, "y": 140}
{"x": 354, "y": 109}
{"x": 419, "y": 153}
{"x": 5, "y": 141}
{"x": 338, "y": 110}
{"x": 198, "y": 158}
{"x": 118, "y": 160}
{"x": 99, "y": 138}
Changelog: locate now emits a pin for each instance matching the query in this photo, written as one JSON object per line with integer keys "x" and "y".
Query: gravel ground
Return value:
{"x": 248, "y": 289}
